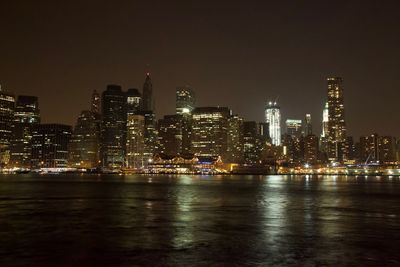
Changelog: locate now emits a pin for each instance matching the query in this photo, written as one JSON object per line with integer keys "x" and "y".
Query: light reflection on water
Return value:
{"x": 199, "y": 220}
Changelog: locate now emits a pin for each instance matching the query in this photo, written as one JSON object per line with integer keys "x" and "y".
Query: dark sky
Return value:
{"x": 238, "y": 54}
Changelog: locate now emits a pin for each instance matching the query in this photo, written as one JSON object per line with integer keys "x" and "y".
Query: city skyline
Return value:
{"x": 239, "y": 63}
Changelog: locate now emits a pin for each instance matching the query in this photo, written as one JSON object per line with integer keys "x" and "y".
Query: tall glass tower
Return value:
{"x": 273, "y": 118}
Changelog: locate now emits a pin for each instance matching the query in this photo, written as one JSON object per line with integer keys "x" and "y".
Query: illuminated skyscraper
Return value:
{"x": 235, "y": 139}
{"x": 325, "y": 119}
{"x": 336, "y": 120}
{"x": 135, "y": 147}
{"x": 273, "y": 118}
{"x": 185, "y": 100}
{"x": 210, "y": 131}
{"x": 25, "y": 116}
{"x": 7, "y": 103}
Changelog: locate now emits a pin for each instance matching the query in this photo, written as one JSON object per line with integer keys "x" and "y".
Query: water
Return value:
{"x": 93, "y": 220}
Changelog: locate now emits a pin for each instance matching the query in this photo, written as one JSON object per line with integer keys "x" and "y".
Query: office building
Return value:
{"x": 307, "y": 128}
{"x": 311, "y": 149}
{"x": 336, "y": 120}
{"x": 7, "y": 105}
{"x": 50, "y": 145}
{"x": 210, "y": 131}
{"x": 293, "y": 127}
{"x": 135, "y": 145}
{"x": 148, "y": 97}
{"x": 133, "y": 101}
{"x": 273, "y": 118}
{"x": 113, "y": 130}
{"x": 235, "y": 139}
{"x": 26, "y": 115}
{"x": 84, "y": 146}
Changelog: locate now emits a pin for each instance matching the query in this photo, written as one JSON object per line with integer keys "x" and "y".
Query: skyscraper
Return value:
{"x": 235, "y": 139}
{"x": 85, "y": 141}
{"x": 135, "y": 147}
{"x": 7, "y": 103}
{"x": 185, "y": 100}
{"x": 307, "y": 125}
{"x": 148, "y": 98}
{"x": 293, "y": 127}
{"x": 113, "y": 132}
{"x": 134, "y": 101}
{"x": 273, "y": 118}
{"x": 50, "y": 145}
{"x": 26, "y": 115}
{"x": 336, "y": 120}
{"x": 210, "y": 131}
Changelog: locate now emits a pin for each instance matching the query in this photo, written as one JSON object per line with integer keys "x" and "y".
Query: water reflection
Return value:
{"x": 199, "y": 220}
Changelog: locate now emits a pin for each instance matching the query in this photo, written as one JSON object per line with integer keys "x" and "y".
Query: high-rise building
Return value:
{"x": 369, "y": 148}
{"x": 50, "y": 145}
{"x": 7, "y": 104}
{"x": 26, "y": 115}
{"x": 336, "y": 120}
{"x": 273, "y": 118}
{"x": 185, "y": 100}
{"x": 293, "y": 127}
{"x": 235, "y": 139}
{"x": 311, "y": 148}
{"x": 307, "y": 125}
{"x": 113, "y": 130}
{"x": 135, "y": 147}
{"x": 210, "y": 131}
{"x": 325, "y": 129}
{"x": 148, "y": 98}
{"x": 84, "y": 146}
{"x": 170, "y": 135}
{"x": 387, "y": 148}
{"x": 251, "y": 142}
{"x": 134, "y": 101}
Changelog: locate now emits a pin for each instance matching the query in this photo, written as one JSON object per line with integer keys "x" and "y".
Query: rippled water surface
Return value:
{"x": 93, "y": 220}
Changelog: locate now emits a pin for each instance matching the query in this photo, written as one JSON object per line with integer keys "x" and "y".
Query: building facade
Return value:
{"x": 50, "y": 145}
{"x": 185, "y": 100}
{"x": 273, "y": 118}
{"x": 7, "y": 105}
{"x": 26, "y": 115}
{"x": 336, "y": 120}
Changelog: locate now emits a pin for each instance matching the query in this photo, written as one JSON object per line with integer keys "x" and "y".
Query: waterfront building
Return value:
{"x": 210, "y": 131}
{"x": 84, "y": 146}
{"x": 324, "y": 134}
{"x": 113, "y": 130}
{"x": 50, "y": 145}
{"x": 273, "y": 118}
{"x": 251, "y": 143}
{"x": 293, "y": 127}
{"x": 26, "y": 115}
{"x": 7, "y": 105}
{"x": 135, "y": 145}
{"x": 311, "y": 149}
{"x": 170, "y": 135}
{"x": 369, "y": 149}
{"x": 336, "y": 120}
{"x": 235, "y": 139}
{"x": 387, "y": 148}
{"x": 185, "y": 100}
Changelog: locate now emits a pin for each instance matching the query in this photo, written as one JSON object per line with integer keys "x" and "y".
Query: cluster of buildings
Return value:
{"x": 120, "y": 132}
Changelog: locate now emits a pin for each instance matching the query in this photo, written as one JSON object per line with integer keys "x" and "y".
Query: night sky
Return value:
{"x": 238, "y": 54}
